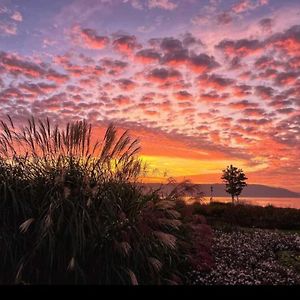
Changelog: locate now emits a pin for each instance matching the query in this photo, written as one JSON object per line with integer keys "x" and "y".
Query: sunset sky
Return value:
{"x": 202, "y": 83}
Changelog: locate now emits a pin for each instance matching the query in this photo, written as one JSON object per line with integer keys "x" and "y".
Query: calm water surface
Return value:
{"x": 278, "y": 202}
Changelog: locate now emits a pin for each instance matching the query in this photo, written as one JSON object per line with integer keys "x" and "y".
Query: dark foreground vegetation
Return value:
{"x": 72, "y": 213}
{"x": 252, "y": 257}
{"x": 251, "y": 216}
{"x": 251, "y": 245}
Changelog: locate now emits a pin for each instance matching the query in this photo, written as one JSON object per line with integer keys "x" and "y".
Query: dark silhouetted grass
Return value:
{"x": 71, "y": 211}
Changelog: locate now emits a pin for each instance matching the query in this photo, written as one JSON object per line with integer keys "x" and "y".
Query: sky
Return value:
{"x": 202, "y": 83}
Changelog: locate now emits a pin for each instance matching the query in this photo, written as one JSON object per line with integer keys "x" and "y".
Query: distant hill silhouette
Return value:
{"x": 252, "y": 190}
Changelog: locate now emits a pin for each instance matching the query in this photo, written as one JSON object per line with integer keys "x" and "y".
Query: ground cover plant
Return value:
{"x": 252, "y": 257}
{"x": 251, "y": 245}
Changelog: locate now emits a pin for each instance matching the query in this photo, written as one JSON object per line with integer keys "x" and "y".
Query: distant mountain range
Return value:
{"x": 252, "y": 190}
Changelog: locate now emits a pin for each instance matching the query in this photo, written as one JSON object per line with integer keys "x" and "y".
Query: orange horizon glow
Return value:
{"x": 202, "y": 84}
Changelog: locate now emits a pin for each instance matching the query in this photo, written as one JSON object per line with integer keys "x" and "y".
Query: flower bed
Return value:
{"x": 250, "y": 257}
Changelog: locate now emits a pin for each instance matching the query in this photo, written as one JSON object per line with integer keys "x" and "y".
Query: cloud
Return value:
{"x": 92, "y": 40}
{"x": 57, "y": 77}
{"x": 264, "y": 92}
{"x": 242, "y": 90}
{"x": 224, "y": 18}
{"x": 17, "y": 16}
{"x": 126, "y": 84}
{"x": 183, "y": 95}
{"x": 171, "y": 45}
{"x": 9, "y": 20}
{"x": 122, "y": 100}
{"x": 202, "y": 63}
{"x": 3, "y": 9}
{"x": 176, "y": 58}
{"x": 266, "y": 25}
{"x": 147, "y": 56}
{"x": 213, "y": 97}
{"x": 254, "y": 112}
{"x": 53, "y": 103}
{"x": 286, "y": 110}
{"x": 214, "y": 81}
{"x": 242, "y": 104}
{"x": 88, "y": 38}
{"x": 125, "y": 44}
{"x": 8, "y": 28}
{"x": 189, "y": 40}
{"x": 242, "y": 47}
{"x": 161, "y": 75}
{"x": 266, "y": 62}
{"x": 37, "y": 89}
{"x": 246, "y": 5}
{"x": 10, "y": 94}
{"x": 287, "y": 78}
{"x": 18, "y": 66}
{"x": 288, "y": 41}
{"x": 114, "y": 66}
{"x": 85, "y": 70}
{"x": 162, "y": 4}
{"x": 137, "y": 4}
{"x": 255, "y": 122}
{"x": 294, "y": 63}
{"x": 288, "y": 131}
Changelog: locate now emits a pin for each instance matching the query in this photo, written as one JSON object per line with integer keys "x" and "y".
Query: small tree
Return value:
{"x": 235, "y": 180}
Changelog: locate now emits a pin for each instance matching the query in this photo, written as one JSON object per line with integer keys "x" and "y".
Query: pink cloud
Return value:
{"x": 163, "y": 4}
{"x": 241, "y": 91}
{"x": 202, "y": 63}
{"x": 243, "y": 47}
{"x": 8, "y": 28}
{"x": 183, "y": 95}
{"x": 242, "y": 104}
{"x": 213, "y": 97}
{"x": 89, "y": 38}
{"x": 147, "y": 56}
{"x": 126, "y": 84}
{"x": 289, "y": 41}
{"x": 114, "y": 66}
{"x": 19, "y": 66}
{"x": 17, "y": 16}
{"x": 161, "y": 75}
{"x": 264, "y": 92}
{"x": 125, "y": 44}
{"x": 214, "y": 81}
{"x": 122, "y": 100}
{"x": 57, "y": 77}
{"x": 246, "y": 5}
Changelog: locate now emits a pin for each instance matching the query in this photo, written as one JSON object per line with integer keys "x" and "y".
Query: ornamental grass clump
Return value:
{"x": 71, "y": 211}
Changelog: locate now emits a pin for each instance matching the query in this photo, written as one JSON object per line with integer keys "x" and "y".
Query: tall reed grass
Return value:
{"x": 71, "y": 211}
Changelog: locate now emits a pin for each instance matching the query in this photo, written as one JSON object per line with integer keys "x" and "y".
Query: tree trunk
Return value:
{"x": 232, "y": 197}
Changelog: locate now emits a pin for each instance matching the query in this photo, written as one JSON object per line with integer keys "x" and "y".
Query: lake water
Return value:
{"x": 278, "y": 202}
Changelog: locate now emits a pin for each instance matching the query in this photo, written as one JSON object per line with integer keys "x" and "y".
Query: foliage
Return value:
{"x": 290, "y": 259}
{"x": 71, "y": 211}
{"x": 235, "y": 180}
{"x": 250, "y": 257}
{"x": 269, "y": 217}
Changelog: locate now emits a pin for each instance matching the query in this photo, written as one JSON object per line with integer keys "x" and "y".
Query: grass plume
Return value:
{"x": 71, "y": 210}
